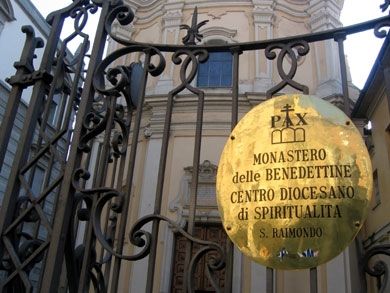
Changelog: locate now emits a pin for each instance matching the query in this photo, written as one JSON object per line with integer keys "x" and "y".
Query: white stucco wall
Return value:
{"x": 12, "y": 39}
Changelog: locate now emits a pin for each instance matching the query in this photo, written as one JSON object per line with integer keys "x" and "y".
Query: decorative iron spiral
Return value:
{"x": 287, "y": 78}
{"x": 379, "y": 269}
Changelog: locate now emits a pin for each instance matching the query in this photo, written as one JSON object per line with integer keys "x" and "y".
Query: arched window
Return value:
{"x": 217, "y": 70}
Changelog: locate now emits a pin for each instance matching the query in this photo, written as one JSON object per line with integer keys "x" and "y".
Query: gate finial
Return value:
{"x": 193, "y": 31}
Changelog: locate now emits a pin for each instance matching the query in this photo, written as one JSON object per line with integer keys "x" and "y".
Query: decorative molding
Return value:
{"x": 264, "y": 12}
{"x": 146, "y": 13}
{"x": 142, "y": 3}
{"x": 297, "y": 2}
{"x": 335, "y": 99}
{"x": 284, "y": 6}
{"x": 206, "y": 202}
{"x": 263, "y": 20}
{"x": 216, "y": 15}
{"x": 123, "y": 32}
{"x": 329, "y": 88}
{"x": 290, "y": 11}
{"x": 173, "y": 15}
{"x": 171, "y": 21}
{"x": 6, "y": 11}
{"x": 207, "y": 171}
{"x": 324, "y": 14}
{"x": 172, "y": 18}
{"x": 218, "y": 31}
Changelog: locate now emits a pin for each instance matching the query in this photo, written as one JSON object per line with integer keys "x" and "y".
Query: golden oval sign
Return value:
{"x": 294, "y": 182}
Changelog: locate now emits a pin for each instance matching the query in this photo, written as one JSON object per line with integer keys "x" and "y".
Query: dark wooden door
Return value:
{"x": 203, "y": 231}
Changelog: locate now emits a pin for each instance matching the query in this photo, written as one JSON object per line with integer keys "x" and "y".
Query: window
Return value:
{"x": 216, "y": 71}
{"x": 53, "y": 114}
{"x": 37, "y": 183}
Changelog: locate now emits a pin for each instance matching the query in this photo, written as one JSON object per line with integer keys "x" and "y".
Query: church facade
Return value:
{"x": 229, "y": 22}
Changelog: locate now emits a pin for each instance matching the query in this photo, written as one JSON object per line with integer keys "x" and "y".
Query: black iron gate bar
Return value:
{"x": 99, "y": 115}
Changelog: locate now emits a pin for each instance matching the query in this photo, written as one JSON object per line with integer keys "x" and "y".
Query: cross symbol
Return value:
{"x": 287, "y": 109}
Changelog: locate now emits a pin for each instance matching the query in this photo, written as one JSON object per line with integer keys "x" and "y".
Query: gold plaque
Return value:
{"x": 294, "y": 182}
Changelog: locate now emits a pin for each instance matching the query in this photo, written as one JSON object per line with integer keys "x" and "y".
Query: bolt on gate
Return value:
{"x": 40, "y": 248}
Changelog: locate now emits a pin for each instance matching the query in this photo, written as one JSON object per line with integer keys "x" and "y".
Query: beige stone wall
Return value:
{"x": 380, "y": 153}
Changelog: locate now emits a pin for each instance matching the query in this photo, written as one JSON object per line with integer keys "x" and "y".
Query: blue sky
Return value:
{"x": 361, "y": 49}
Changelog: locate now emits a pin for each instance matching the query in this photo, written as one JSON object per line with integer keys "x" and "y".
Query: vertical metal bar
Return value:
{"x": 55, "y": 253}
{"x": 130, "y": 174}
{"x": 100, "y": 180}
{"x": 119, "y": 176}
{"x": 340, "y": 38}
{"x": 108, "y": 210}
{"x": 159, "y": 192}
{"x": 72, "y": 267}
{"x": 270, "y": 280}
{"x": 62, "y": 124}
{"x": 229, "y": 266}
{"x": 195, "y": 178}
{"x": 236, "y": 53}
{"x": 313, "y": 280}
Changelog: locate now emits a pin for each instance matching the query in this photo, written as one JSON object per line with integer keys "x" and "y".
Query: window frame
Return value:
{"x": 220, "y": 60}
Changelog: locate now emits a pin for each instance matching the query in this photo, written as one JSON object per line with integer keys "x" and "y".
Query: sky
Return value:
{"x": 361, "y": 49}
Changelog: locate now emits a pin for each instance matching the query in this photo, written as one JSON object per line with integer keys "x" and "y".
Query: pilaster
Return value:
{"x": 263, "y": 18}
{"x": 325, "y": 15}
{"x": 172, "y": 19}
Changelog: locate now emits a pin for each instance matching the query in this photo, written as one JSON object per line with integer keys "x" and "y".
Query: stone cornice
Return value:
{"x": 297, "y": 2}
{"x": 290, "y": 10}
{"x": 227, "y": 34}
{"x": 123, "y": 32}
{"x": 173, "y": 15}
{"x": 264, "y": 13}
{"x": 324, "y": 14}
{"x": 143, "y": 3}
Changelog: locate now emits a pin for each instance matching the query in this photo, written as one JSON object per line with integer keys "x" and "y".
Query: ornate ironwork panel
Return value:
{"x": 64, "y": 215}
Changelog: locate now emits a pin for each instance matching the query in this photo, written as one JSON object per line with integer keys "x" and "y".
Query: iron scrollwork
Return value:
{"x": 379, "y": 30}
{"x": 379, "y": 268}
{"x": 193, "y": 57}
{"x": 287, "y": 50}
{"x": 28, "y": 230}
{"x": 106, "y": 113}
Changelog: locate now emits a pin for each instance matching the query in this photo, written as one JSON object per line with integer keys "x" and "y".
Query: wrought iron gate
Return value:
{"x": 39, "y": 249}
